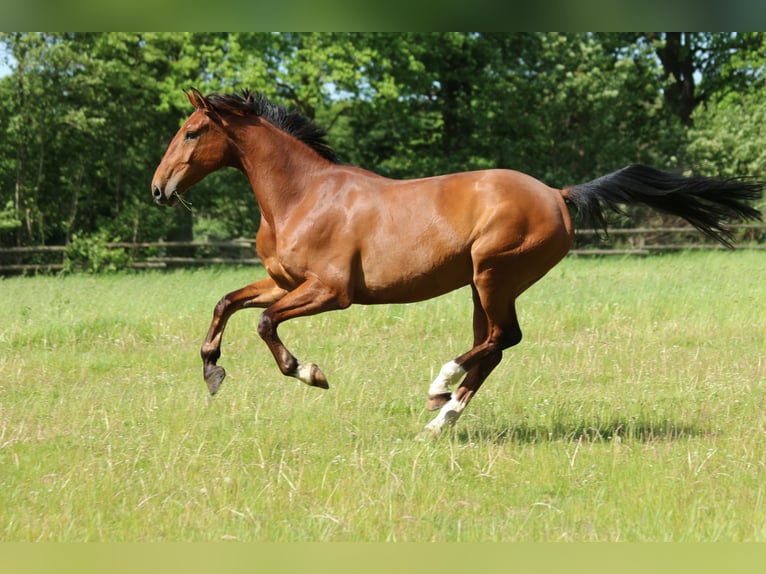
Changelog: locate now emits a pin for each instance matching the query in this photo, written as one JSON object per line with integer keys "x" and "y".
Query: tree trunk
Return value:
{"x": 677, "y": 58}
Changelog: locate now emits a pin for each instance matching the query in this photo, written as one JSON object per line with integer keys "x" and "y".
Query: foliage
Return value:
{"x": 91, "y": 254}
{"x": 8, "y": 220}
{"x": 729, "y": 136}
{"x": 87, "y": 115}
{"x": 84, "y": 128}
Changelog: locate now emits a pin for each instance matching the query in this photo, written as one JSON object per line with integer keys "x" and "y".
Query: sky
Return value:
{"x": 4, "y": 69}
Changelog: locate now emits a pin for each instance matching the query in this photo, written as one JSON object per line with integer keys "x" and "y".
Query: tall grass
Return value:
{"x": 632, "y": 410}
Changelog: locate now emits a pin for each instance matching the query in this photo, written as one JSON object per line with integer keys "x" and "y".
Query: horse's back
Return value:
{"x": 516, "y": 206}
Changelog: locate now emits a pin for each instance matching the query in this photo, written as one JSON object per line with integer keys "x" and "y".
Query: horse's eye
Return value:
{"x": 190, "y": 135}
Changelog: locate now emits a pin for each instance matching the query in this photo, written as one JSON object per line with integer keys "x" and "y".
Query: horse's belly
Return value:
{"x": 410, "y": 285}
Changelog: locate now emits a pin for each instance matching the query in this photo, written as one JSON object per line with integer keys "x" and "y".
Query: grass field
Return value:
{"x": 634, "y": 410}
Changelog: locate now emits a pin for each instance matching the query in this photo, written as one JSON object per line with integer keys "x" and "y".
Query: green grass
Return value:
{"x": 633, "y": 410}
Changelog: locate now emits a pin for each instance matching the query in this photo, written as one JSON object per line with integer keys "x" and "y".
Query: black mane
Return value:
{"x": 291, "y": 122}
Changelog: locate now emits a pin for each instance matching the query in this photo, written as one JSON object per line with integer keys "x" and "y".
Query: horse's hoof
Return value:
{"x": 318, "y": 379}
{"x": 214, "y": 376}
{"x": 311, "y": 375}
{"x": 435, "y": 402}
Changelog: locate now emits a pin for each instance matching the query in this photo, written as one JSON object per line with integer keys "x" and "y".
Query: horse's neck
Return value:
{"x": 278, "y": 168}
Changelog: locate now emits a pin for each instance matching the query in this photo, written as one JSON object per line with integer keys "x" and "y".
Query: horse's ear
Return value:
{"x": 196, "y": 99}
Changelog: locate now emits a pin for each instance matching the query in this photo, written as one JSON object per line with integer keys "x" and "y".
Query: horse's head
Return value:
{"x": 200, "y": 147}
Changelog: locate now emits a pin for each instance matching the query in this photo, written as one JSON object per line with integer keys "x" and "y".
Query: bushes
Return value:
{"x": 92, "y": 254}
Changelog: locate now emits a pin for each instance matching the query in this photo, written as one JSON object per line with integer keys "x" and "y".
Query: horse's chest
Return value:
{"x": 280, "y": 258}
{"x": 286, "y": 267}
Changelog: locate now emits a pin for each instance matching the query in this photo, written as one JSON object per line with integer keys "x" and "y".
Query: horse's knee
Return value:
{"x": 265, "y": 327}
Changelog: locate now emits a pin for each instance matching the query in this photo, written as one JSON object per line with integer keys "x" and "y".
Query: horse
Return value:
{"x": 332, "y": 235}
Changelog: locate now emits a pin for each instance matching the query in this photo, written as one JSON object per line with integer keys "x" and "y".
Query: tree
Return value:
{"x": 728, "y": 133}
{"x": 87, "y": 116}
{"x": 84, "y": 125}
{"x": 562, "y": 107}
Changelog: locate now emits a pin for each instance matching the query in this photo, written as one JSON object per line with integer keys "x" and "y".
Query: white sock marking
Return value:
{"x": 447, "y": 416}
{"x": 304, "y": 372}
{"x": 449, "y": 374}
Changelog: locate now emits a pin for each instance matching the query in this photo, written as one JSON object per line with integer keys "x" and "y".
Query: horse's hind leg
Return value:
{"x": 259, "y": 294}
{"x": 496, "y": 328}
{"x": 451, "y": 410}
{"x": 439, "y": 392}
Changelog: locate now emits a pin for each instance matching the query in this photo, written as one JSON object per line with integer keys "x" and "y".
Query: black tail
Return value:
{"x": 707, "y": 203}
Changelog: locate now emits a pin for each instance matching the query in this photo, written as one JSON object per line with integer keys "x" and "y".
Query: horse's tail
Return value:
{"x": 707, "y": 203}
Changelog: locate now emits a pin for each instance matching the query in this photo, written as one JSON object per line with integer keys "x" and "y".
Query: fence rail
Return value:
{"x": 139, "y": 255}
{"x": 646, "y": 240}
{"x": 174, "y": 254}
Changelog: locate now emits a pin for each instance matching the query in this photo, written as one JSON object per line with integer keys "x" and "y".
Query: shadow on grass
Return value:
{"x": 588, "y": 431}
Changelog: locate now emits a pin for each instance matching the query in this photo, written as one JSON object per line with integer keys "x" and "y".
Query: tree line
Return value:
{"x": 85, "y": 117}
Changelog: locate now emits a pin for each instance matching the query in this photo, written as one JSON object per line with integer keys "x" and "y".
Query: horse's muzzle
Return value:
{"x": 161, "y": 198}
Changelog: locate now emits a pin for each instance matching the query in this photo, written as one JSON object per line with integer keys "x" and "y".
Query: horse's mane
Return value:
{"x": 290, "y": 122}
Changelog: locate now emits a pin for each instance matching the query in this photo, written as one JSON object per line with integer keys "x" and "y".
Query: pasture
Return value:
{"x": 633, "y": 410}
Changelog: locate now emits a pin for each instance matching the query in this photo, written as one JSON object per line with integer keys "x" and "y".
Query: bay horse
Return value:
{"x": 332, "y": 235}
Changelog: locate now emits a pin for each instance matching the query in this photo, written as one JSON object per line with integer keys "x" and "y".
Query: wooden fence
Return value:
{"x": 142, "y": 255}
{"x": 646, "y": 240}
{"x": 166, "y": 254}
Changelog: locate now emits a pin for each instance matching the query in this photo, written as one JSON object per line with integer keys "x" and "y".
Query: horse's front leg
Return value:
{"x": 310, "y": 298}
{"x": 259, "y": 294}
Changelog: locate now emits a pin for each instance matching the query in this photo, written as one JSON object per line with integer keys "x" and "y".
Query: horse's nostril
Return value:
{"x": 156, "y": 192}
